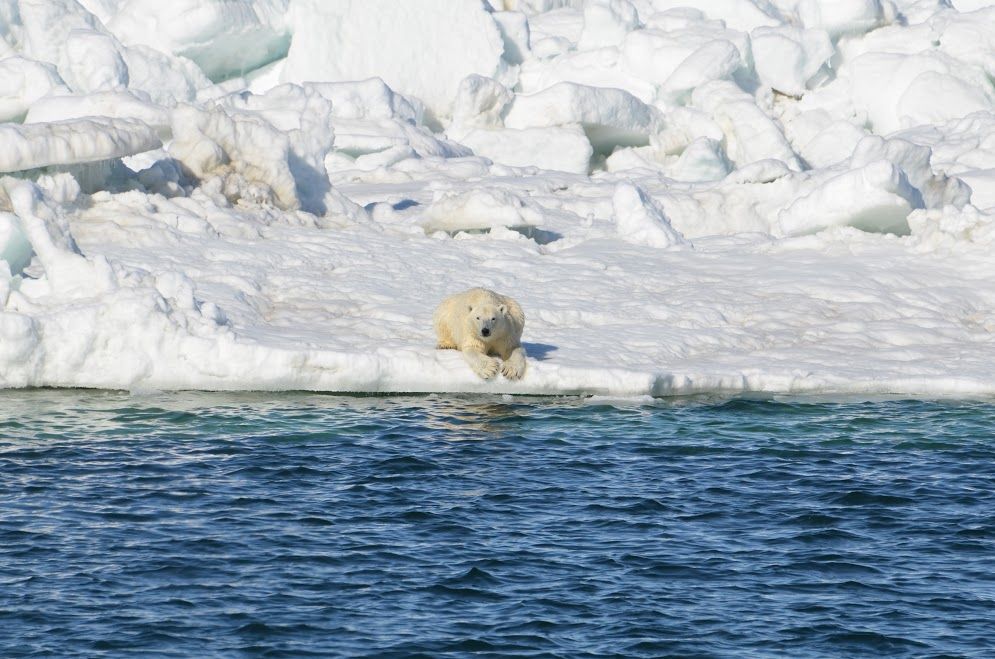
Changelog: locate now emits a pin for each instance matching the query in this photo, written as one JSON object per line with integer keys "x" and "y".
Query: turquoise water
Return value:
{"x": 303, "y": 525}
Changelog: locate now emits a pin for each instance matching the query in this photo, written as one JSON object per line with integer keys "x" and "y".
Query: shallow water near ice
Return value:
{"x": 297, "y": 524}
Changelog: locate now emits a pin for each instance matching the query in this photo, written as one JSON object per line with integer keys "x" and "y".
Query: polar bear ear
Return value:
{"x": 503, "y": 310}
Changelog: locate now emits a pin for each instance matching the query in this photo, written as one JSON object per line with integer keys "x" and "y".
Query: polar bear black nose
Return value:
{"x": 485, "y": 332}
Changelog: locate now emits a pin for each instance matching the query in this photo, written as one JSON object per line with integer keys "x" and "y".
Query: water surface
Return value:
{"x": 294, "y": 525}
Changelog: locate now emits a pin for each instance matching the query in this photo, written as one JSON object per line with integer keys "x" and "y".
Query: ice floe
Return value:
{"x": 685, "y": 197}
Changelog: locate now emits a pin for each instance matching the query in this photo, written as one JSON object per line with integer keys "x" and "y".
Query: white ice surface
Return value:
{"x": 22, "y": 83}
{"x": 419, "y": 47}
{"x": 223, "y": 38}
{"x": 72, "y": 142}
{"x": 181, "y": 294}
{"x": 788, "y": 196}
{"x": 610, "y": 117}
{"x": 562, "y": 148}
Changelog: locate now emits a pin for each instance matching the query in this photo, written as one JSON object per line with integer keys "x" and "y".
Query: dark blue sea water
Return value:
{"x": 197, "y": 525}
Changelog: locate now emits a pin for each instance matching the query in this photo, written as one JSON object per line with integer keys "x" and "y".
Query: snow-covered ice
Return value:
{"x": 787, "y": 196}
{"x": 71, "y": 142}
{"x": 424, "y": 47}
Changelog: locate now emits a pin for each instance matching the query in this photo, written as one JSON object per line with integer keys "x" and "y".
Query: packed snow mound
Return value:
{"x": 72, "y": 142}
{"x": 949, "y": 229}
{"x": 369, "y": 99}
{"x": 560, "y": 148}
{"x": 478, "y": 210}
{"x": 789, "y": 59}
{"x": 423, "y": 48}
{"x": 479, "y": 122}
{"x": 87, "y": 57}
{"x": 702, "y": 160}
{"x": 247, "y": 152}
{"x": 933, "y": 70}
{"x": 268, "y": 149}
{"x": 606, "y": 22}
{"x": 610, "y": 117}
{"x": 480, "y": 102}
{"x": 110, "y": 104}
{"x": 115, "y": 312}
{"x": 741, "y": 15}
{"x": 225, "y": 39}
{"x": 842, "y": 16}
{"x": 59, "y": 32}
{"x": 751, "y": 135}
{"x": 874, "y": 198}
{"x": 901, "y": 91}
{"x": 641, "y": 220}
{"x": 22, "y": 83}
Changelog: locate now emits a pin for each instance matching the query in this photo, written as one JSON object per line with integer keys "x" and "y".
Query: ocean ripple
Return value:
{"x": 308, "y": 525}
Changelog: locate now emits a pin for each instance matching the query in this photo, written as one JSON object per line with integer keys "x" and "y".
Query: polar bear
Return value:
{"x": 480, "y": 323}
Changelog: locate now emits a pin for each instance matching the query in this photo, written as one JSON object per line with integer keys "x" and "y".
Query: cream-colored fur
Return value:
{"x": 483, "y": 325}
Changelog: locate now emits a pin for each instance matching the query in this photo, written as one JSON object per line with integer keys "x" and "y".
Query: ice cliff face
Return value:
{"x": 786, "y": 196}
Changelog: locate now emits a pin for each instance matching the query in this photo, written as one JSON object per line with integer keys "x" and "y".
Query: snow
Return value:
{"x": 882, "y": 201}
{"x": 425, "y": 47}
{"x": 479, "y": 209}
{"x": 740, "y": 196}
{"x": 562, "y": 148}
{"x": 841, "y": 16}
{"x": 22, "y": 83}
{"x": 30, "y": 146}
{"x": 917, "y": 90}
{"x": 751, "y": 134}
{"x": 606, "y": 22}
{"x": 111, "y": 104}
{"x": 787, "y": 58}
{"x": 610, "y": 117}
{"x": 702, "y": 160}
{"x": 224, "y": 39}
{"x": 716, "y": 60}
{"x": 480, "y": 102}
{"x": 742, "y": 15}
{"x": 640, "y": 220}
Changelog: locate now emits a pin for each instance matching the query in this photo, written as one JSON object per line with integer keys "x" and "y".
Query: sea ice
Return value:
{"x": 610, "y": 117}
{"x": 479, "y": 209}
{"x": 22, "y": 83}
{"x": 70, "y": 142}
{"x": 563, "y": 148}
{"x": 841, "y": 16}
{"x": 425, "y": 47}
{"x": 606, "y": 22}
{"x": 15, "y": 250}
{"x": 742, "y": 195}
{"x": 111, "y": 104}
{"x": 787, "y": 58}
{"x": 225, "y": 39}
{"x": 641, "y": 221}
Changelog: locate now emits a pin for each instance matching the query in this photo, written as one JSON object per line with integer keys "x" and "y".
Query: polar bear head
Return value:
{"x": 489, "y": 322}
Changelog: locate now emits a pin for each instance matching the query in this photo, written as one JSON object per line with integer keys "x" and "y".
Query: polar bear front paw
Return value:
{"x": 485, "y": 367}
{"x": 513, "y": 368}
